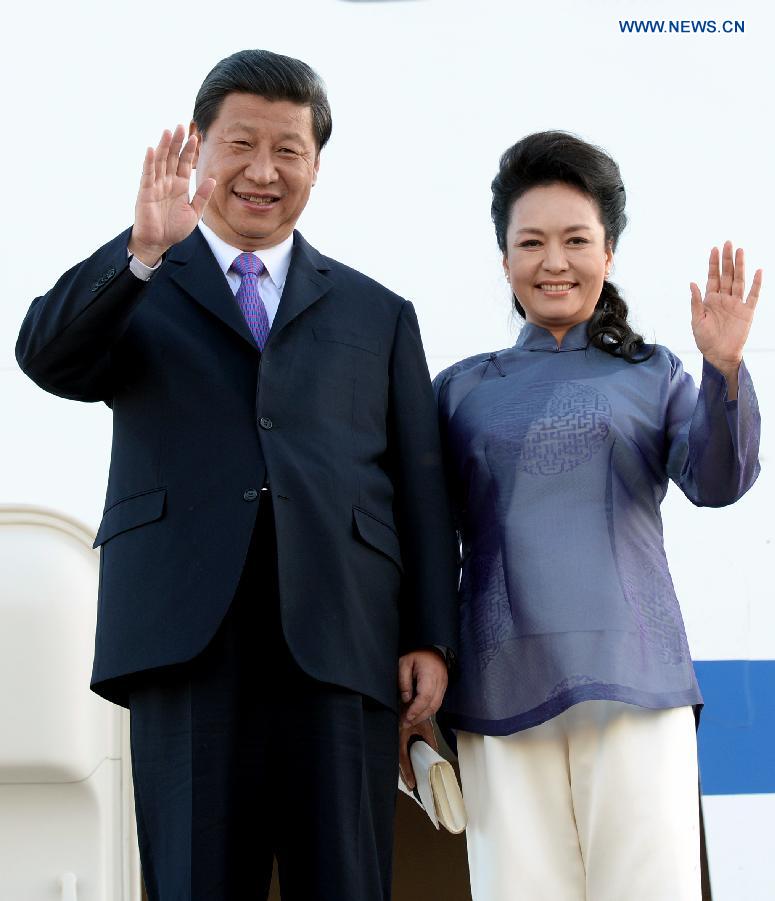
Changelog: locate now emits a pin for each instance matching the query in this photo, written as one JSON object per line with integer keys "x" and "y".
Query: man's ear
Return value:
{"x": 315, "y": 168}
{"x": 193, "y": 130}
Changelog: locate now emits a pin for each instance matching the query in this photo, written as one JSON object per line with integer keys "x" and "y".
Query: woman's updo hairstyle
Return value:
{"x": 549, "y": 157}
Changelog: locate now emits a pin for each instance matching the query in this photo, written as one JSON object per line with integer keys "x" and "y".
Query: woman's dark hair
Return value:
{"x": 269, "y": 75}
{"x": 549, "y": 157}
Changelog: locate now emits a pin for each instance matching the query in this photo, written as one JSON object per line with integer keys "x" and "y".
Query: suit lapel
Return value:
{"x": 305, "y": 284}
{"x": 197, "y": 272}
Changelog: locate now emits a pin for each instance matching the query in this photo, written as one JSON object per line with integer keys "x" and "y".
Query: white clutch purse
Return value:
{"x": 437, "y": 792}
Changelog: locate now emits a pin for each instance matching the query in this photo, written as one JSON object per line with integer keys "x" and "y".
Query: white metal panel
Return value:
{"x": 50, "y": 830}
{"x": 53, "y": 729}
{"x": 66, "y": 816}
{"x": 741, "y": 846}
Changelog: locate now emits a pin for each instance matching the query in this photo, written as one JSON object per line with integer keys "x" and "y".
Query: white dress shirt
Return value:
{"x": 271, "y": 282}
{"x": 276, "y": 262}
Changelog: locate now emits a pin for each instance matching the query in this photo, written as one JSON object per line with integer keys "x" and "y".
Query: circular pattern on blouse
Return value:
{"x": 554, "y": 427}
{"x": 573, "y": 428}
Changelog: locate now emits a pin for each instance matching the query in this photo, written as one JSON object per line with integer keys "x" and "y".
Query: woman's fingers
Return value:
{"x": 738, "y": 279}
{"x": 730, "y": 277}
{"x": 753, "y": 294}
{"x": 727, "y": 268}
{"x": 714, "y": 277}
{"x": 697, "y": 309}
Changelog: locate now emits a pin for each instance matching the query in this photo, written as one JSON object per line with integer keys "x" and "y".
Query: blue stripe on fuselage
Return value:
{"x": 737, "y": 728}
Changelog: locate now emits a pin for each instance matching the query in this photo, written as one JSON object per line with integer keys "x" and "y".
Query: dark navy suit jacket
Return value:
{"x": 337, "y": 416}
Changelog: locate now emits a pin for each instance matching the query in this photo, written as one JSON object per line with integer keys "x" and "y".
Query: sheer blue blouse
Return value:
{"x": 558, "y": 458}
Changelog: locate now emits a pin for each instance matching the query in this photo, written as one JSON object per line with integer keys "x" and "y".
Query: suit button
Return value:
{"x": 265, "y": 422}
{"x": 250, "y": 495}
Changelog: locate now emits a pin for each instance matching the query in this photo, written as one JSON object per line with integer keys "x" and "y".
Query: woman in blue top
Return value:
{"x": 573, "y": 702}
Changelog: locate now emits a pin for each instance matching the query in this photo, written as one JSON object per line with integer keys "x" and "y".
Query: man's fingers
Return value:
{"x": 714, "y": 276}
{"x": 753, "y": 294}
{"x": 187, "y": 157}
{"x": 405, "y": 679}
{"x": 438, "y": 697}
{"x": 420, "y": 707}
{"x": 415, "y": 713}
{"x": 203, "y": 193}
{"x": 147, "y": 178}
{"x": 440, "y": 686}
{"x": 173, "y": 155}
{"x": 419, "y": 711}
{"x": 162, "y": 152}
{"x": 428, "y": 672}
{"x": 727, "y": 268}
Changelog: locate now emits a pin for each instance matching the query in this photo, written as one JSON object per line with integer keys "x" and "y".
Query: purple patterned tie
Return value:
{"x": 249, "y": 267}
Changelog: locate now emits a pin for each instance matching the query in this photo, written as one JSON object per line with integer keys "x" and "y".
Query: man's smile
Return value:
{"x": 257, "y": 200}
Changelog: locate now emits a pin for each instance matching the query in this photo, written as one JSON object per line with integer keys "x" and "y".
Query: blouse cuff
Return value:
{"x": 716, "y": 382}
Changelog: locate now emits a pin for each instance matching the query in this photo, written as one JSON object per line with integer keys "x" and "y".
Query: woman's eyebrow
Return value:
{"x": 538, "y": 231}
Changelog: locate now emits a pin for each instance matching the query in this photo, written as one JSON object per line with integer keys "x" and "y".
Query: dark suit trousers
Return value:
{"x": 239, "y": 757}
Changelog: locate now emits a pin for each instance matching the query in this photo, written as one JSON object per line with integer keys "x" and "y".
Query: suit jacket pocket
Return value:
{"x": 344, "y": 336}
{"x": 130, "y": 512}
{"x": 378, "y": 535}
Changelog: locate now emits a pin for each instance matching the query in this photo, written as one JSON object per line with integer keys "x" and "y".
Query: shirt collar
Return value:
{"x": 534, "y": 337}
{"x": 277, "y": 259}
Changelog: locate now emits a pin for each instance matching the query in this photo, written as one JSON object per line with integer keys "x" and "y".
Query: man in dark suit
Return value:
{"x": 277, "y": 557}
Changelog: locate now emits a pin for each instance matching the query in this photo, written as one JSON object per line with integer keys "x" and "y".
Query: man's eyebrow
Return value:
{"x": 239, "y": 126}
{"x": 538, "y": 231}
{"x": 251, "y": 129}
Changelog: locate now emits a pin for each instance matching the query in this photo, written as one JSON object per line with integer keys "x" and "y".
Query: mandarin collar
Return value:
{"x": 534, "y": 337}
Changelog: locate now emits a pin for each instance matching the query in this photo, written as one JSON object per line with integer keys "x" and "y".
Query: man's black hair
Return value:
{"x": 268, "y": 75}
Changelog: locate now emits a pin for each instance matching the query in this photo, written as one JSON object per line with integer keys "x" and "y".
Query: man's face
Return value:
{"x": 264, "y": 159}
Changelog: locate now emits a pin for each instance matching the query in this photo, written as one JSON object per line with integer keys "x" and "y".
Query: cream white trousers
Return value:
{"x": 598, "y": 804}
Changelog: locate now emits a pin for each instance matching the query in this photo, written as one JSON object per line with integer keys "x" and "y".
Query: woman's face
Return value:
{"x": 556, "y": 256}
